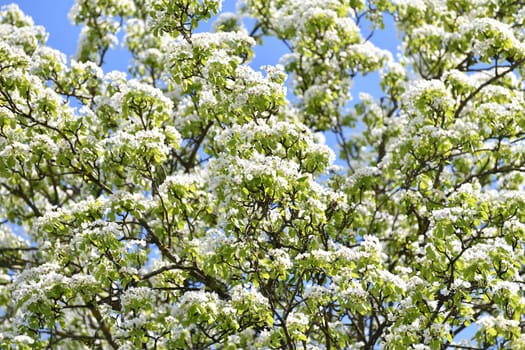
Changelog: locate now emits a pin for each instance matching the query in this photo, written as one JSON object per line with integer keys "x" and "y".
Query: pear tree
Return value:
{"x": 192, "y": 201}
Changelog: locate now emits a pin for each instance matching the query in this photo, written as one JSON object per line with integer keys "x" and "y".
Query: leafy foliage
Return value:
{"x": 193, "y": 202}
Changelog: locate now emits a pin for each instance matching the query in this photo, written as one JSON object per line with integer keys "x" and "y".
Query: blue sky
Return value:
{"x": 52, "y": 14}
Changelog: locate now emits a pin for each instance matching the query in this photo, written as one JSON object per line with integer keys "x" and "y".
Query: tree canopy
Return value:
{"x": 192, "y": 202}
